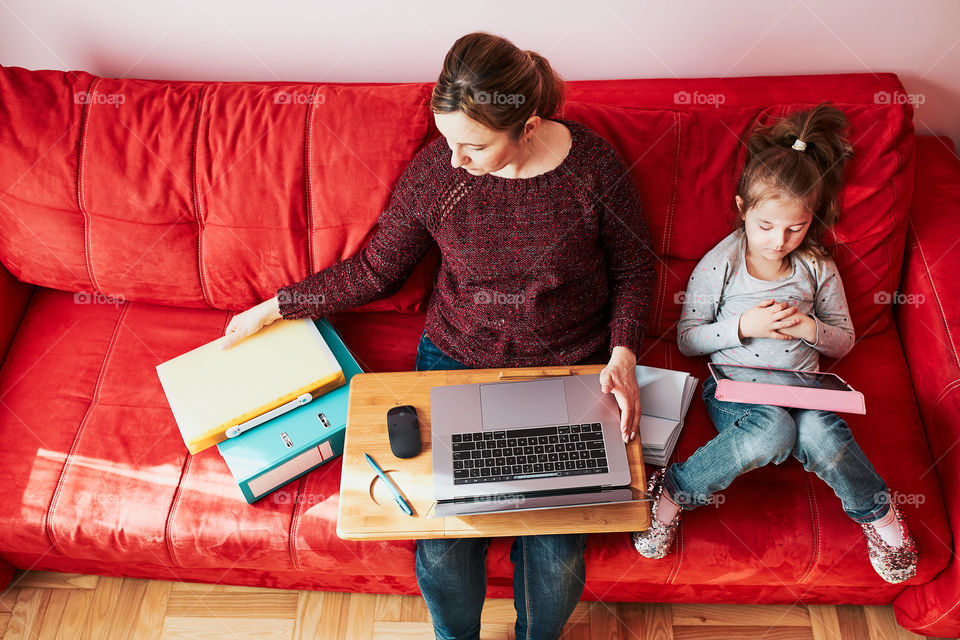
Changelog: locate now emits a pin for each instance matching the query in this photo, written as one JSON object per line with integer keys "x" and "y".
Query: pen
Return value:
{"x": 393, "y": 488}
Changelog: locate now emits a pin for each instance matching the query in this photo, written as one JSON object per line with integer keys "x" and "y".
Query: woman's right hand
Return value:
{"x": 765, "y": 320}
{"x": 250, "y": 321}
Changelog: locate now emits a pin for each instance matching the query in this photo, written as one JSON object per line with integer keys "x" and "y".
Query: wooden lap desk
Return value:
{"x": 367, "y": 509}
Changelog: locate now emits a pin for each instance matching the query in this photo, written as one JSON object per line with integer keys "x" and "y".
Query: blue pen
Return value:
{"x": 393, "y": 488}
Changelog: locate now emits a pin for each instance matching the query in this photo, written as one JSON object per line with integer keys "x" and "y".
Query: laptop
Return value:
{"x": 536, "y": 444}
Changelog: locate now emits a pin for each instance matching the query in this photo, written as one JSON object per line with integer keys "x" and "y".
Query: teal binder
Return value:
{"x": 271, "y": 455}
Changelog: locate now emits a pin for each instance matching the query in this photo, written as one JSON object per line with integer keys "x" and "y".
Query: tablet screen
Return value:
{"x": 814, "y": 379}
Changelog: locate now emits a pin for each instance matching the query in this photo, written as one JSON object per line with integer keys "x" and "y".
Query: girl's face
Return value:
{"x": 775, "y": 227}
{"x": 477, "y": 148}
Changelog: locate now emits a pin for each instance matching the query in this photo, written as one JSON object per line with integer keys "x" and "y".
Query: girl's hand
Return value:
{"x": 805, "y": 329}
{"x": 250, "y": 321}
{"x": 768, "y": 320}
{"x": 620, "y": 378}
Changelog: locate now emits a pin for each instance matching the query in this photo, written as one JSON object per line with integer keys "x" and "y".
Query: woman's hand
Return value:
{"x": 768, "y": 320}
{"x": 620, "y": 378}
{"x": 250, "y": 321}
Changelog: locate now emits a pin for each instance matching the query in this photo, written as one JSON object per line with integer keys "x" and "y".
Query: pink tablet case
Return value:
{"x": 788, "y": 396}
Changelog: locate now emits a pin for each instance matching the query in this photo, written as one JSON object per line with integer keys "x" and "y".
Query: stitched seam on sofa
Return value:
{"x": 946, "y": 391}
{"x": 936, "y": 295}
{"x": 175, "y": 504}
{"x": 48, "y": 524}
{"x": 678, "y": 545}
{"x": 81, "y": 201}
{"x": 295, "y": 523}
{"x": 197, "y": 207}
{"x": 172, "y": 511}
{"x": 893, "y": 279}
{"x": 660, "y": 302}
{"x": 815, "y": 530}
{"x": 955, "y": 604}
{"x": 308, "y": 175}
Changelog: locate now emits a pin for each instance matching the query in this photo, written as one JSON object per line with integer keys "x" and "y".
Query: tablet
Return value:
{"x": 785, "y": 388}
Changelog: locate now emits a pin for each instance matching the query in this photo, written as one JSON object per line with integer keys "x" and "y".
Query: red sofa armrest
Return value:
{"x": 14, "y": 296}
{"x": 928, "y": 317}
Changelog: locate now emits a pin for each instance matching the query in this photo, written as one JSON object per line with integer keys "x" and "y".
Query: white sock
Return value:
{"x": 889, "y": 529}
{"x": 666, "y": 508}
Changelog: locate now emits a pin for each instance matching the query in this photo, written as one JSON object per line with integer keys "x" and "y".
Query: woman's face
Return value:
{"x": 475, "y": 147}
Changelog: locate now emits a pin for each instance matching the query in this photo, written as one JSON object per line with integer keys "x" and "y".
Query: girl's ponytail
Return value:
{"x": 801, "y": 156}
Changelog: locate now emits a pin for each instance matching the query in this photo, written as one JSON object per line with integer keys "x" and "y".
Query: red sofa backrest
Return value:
{"x": 214, "y": 194}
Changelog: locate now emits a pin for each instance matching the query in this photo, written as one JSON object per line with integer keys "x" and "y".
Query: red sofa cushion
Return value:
{"x": 198, "y": 195}
{"x": 98, "y": 471}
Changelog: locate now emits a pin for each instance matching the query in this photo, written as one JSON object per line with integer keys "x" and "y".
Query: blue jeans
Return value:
{"x": 753, "y": 435}
{"x": 548, "y": 570}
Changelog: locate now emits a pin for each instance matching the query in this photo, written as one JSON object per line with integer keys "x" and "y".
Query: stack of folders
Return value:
{"x": 665, "y": 396}
{"x": 286, "y": 383}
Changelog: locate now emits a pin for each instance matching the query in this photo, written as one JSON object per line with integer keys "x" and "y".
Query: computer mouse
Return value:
{"x": 403, "y": 428}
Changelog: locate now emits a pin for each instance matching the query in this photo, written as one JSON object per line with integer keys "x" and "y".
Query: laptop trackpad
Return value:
{"x": 522, "y": 404}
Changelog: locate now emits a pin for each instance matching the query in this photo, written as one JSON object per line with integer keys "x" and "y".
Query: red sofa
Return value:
{"x": 137, "y": 216}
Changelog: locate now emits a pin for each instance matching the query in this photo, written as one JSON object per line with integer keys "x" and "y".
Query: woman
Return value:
{"x": 545, "y": 261}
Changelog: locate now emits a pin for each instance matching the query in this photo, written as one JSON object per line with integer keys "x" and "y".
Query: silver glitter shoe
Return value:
{"x": 655, "y": 542}
{"x": 894, "y": 564}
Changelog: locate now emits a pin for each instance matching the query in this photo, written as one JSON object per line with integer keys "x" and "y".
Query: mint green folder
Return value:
{"x": 280, "y": 450}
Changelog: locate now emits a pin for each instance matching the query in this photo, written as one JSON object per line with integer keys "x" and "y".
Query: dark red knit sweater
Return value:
{"x": 534, "y": 271}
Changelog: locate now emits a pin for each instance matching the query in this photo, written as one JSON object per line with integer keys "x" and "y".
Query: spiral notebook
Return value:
{"x": 211, "y": 389}
{"x": 665, "y": 396}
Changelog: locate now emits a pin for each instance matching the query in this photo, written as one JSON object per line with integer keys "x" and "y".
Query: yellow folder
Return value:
{"x": 211, "y": 389}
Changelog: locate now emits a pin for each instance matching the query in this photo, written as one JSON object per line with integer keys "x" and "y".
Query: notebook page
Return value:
{"x": 661, "y": 392}
{"x": 655, "y": 432}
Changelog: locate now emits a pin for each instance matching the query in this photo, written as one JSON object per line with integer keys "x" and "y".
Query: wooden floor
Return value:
{"x": 49, "y": 606}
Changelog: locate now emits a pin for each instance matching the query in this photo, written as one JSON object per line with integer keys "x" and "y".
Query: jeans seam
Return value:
{"x": 526, "y": 584}
{"x": 717, "y": 407}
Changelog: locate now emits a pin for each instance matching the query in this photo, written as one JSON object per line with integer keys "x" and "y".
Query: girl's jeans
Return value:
{"x": 752, "y": 435}
{"x": 547, "y": 576}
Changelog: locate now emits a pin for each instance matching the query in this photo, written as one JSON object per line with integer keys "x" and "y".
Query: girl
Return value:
{"x": 769, "y": 293}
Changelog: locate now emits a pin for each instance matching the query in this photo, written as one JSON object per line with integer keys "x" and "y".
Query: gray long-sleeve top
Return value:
{"x": 720, "y": 290}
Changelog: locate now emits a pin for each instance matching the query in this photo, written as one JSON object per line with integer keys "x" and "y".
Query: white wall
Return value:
{"x": 405, "y": 40}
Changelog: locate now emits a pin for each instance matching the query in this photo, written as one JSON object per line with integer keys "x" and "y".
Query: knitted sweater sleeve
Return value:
{"x": 381, "y": 267}
{"x": 629, "y": 257}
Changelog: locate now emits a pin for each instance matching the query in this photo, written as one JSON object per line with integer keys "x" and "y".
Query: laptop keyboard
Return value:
{"x": 519, "y": 454}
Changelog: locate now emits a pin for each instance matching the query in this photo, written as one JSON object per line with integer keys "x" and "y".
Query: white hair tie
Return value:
{"x": 799, "y": 145}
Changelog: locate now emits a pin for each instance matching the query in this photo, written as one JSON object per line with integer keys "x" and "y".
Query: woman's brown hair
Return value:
{"x": 497, "y": 84}
{"x": 800, "y": 156}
